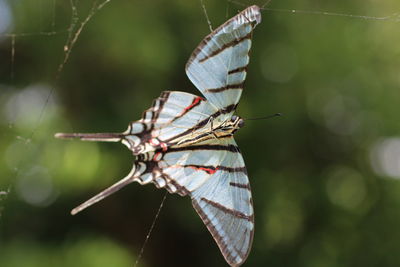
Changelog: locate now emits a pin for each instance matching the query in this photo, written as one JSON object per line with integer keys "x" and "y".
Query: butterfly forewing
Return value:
{"x": 218, "y": 65}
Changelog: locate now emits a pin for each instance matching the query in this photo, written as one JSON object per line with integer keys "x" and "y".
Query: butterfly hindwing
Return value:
{"x": 172, "y": 117}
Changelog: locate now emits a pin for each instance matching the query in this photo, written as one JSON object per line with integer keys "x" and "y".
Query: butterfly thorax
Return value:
{"x": 231, "y": 125}
{"x": 214, "y": 129}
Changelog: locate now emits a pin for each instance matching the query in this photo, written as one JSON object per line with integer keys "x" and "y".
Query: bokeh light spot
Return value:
{"x": 340, "y": 115}
{"x": 36, "y": 187}
{"x": 385, "y": 157}
{"x": 24, "y": 108}
{"x": 5, "y": 17}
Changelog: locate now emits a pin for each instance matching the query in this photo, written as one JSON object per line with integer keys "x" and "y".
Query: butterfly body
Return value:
{"x": 184, "y": 143}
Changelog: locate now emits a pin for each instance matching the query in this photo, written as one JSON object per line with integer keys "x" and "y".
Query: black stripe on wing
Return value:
{"x": 223, "y": 47}
{"x": 227, "y": 87}
{"x": 224, "y": 209}
{"x": 230, "y": 147}
{"x": 237, "y": 70}
{"x": 244, "y": 186}
{"x": 250, "y": 14}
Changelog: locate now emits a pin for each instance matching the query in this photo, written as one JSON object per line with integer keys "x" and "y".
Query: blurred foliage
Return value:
{"x": 324, "y": 177}
{"x": 83, "y": 252}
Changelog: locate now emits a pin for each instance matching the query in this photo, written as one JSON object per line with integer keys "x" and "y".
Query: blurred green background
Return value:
{"x": 325, "y": 177}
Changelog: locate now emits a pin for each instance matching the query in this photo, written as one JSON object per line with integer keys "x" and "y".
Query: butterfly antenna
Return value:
{"x": 104, "y": 137}
{"x": 267, "y": 117}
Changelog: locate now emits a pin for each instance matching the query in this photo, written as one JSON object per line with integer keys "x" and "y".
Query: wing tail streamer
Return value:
{"x": 103, "y": 137}
{"x": 110, "y": 190}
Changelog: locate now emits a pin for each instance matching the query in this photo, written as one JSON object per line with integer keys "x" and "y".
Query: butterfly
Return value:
{"x": 184, "y": 143}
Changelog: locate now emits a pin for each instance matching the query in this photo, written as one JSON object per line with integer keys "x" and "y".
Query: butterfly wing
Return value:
{"x": 225, "y": 205}
{"x": 218, "y": 65}
{"x": 213, "y": 174}
{"x": 172, "y": 117}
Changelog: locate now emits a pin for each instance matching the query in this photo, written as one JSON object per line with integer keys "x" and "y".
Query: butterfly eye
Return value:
{"x": 233, "y": 118}
{"x": 241, "y": 123}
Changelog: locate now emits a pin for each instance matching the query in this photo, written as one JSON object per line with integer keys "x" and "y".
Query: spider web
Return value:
{"x": 73, "y": 31}
{"x": 24, "y": 135}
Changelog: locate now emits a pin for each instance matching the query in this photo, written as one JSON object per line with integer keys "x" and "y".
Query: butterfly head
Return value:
{"x": 236, "y": 122}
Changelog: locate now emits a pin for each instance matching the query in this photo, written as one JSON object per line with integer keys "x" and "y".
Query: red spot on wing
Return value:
{"x": 194, "y": 103}
{"x": 206, "y": 169}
